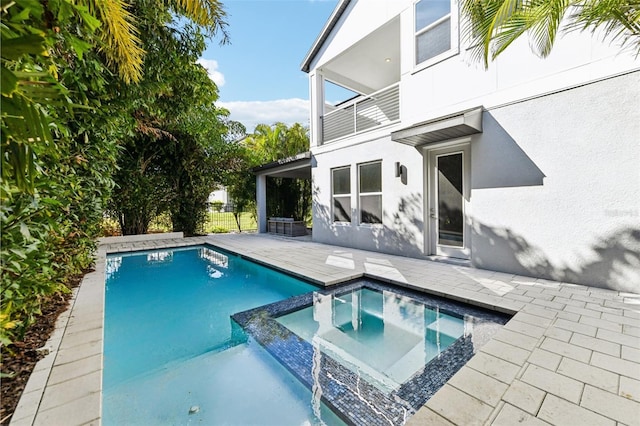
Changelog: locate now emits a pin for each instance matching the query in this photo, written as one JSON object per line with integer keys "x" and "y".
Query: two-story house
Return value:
{"x": 531, "y": 166}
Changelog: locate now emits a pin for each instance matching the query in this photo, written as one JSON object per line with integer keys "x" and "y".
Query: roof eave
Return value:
{"x": 462, "y": 123}
{"x": 302, "y": 157}
{"x": 324, "y": 34}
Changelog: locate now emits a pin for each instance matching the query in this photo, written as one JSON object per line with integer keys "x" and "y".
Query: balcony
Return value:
{"x": 356, "y": 89}
{"x": 361, "y": 114}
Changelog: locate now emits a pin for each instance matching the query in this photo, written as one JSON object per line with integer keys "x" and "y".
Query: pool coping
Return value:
{"x": 65, "y": 386}
{"x": 570, "y": 352}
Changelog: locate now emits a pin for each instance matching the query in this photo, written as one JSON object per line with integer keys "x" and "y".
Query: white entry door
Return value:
{"x": 448, "y": 201}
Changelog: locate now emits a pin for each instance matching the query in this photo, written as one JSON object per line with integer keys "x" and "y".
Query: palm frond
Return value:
{"x": 485, "y": 18}
{"x": 544, "y": 18}
{"x": 24, "y": 125}
{"x": 210, "y": 14}
{"x": 120, "y": 35}
{"x": 508, "y": 33}
{"x": 494, "y": 24}
{"x": 620, "y": 20}
{"x": 502, "y": 15}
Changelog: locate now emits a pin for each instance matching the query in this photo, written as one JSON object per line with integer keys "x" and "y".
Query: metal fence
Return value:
{"x": 228, "y": 219}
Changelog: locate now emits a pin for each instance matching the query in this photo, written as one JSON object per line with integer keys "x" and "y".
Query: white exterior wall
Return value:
{"x": 555, "y": 181}
{"x": 556, "y": 186}
{"x": 458, "y": 83}
{"x": 402, "y": 209}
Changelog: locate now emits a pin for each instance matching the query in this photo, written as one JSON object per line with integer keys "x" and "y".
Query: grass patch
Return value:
{"x": 215, "y": 223}
{"x": 226, "y": 222}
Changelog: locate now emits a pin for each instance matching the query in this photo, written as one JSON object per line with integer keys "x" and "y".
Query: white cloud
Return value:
{"x": 252, "y": 113}
{"x": 211, "y": 66}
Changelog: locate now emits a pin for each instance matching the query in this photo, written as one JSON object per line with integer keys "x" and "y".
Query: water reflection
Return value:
{"x": 214, "y": 257}
{"x": 160, "y": 256}
{"x": 112, "y": 266}
{"x": 382, "y": 335}
{"x": 214, "y": 273}
{"x": 218, "y": 259}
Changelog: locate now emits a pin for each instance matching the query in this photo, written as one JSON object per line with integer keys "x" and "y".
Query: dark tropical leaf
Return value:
{"x": 35, "y": 7}
{"x": 79, "y": 46}
{"x": 8, "y": 81}
{"x": 14, "y": 48}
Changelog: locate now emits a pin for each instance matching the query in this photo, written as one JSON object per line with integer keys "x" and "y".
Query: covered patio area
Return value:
{"x": 296, "y": 167}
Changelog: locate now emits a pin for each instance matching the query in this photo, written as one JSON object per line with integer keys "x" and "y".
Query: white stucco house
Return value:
{"x": 221, "y": 195}
{"x": 530, "y": 167}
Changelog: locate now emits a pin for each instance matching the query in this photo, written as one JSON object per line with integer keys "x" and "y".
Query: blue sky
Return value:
{"x": 258, "y": 74}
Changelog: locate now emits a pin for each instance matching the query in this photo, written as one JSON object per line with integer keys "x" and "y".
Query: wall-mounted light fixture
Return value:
{"x": 401, "y": 172}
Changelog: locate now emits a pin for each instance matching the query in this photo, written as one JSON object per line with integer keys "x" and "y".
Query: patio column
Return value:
{"x": 316, "y": 92}
{"x": 261, "y": 202}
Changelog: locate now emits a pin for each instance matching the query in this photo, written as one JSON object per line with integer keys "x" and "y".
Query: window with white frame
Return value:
{"x": 370, "y": 192}
{"x": 433, "y": 30}
{"x": 341, "y": 193}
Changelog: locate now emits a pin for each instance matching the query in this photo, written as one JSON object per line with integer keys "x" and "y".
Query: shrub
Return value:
{"x": 217, "y": 205}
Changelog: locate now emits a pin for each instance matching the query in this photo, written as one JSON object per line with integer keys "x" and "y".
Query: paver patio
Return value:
{"x": 569, "y": 356}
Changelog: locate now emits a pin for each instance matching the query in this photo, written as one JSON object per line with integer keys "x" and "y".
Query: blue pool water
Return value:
{"x": 374, "y": 353}
{"x": 380, "y": 335}
{"x": 198, "y": 336}
{"x": 173, "y": 356}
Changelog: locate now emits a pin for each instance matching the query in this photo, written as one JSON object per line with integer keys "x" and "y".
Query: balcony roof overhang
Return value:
{"x": 296, "y": 167}
{"x": 463, "y": 123}
{"x": 324, "y": 34}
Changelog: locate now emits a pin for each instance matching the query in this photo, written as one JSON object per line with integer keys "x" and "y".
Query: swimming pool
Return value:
{"x": 201, "y": 336}
{"x": 173, "y": 356}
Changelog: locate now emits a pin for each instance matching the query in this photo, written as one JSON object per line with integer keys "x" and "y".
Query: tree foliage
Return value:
{"x": 174, "y": 157}
{"x": 285, "y": 197}
{"x": 494, "y": 24}
{"x": 66, "y": 108}
{"x": 56, "y": 157}
{"x": 119, "y": 32}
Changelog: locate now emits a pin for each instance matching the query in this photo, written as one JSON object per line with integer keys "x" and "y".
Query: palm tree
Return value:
{"x": 121, "y": 37}
{"x": 275, "y": 142}
{"x": 29, "y": 80}
{"x": 494, "y": 24}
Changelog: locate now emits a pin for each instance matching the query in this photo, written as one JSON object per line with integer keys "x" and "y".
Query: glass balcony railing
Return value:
{"x": 363, "y": 113}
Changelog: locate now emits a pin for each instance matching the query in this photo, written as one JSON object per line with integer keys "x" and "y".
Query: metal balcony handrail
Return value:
{"x": 361, "y": 98}
{"x": 363, "y": 113}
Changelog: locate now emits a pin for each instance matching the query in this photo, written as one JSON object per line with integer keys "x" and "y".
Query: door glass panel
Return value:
{"x": 450, "y": 214}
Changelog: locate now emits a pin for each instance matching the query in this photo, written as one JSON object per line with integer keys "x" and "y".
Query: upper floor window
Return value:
{"x": 433, "y": 29}
{"x": 341, "y": 193}
{"x": 370, "y": 178}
